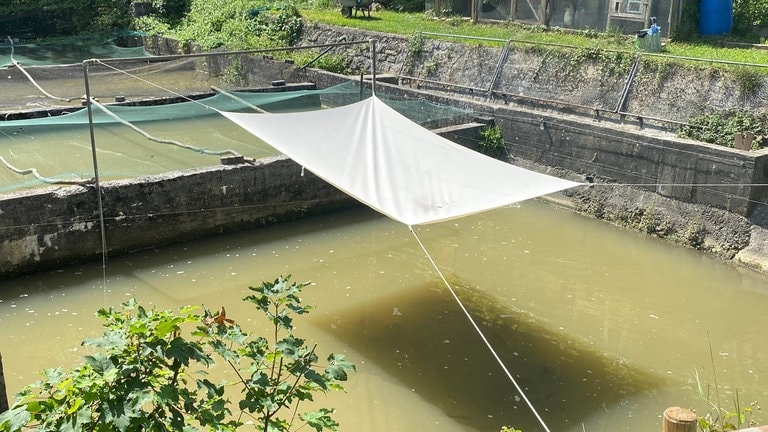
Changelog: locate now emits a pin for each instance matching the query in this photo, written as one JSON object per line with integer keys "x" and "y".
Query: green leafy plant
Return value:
{"x": 336, "y": 63}
{"x": 147, "y": 376}
{"x": 719, "y": 127}
{"x": 651, "y": 222}
{"x": 491, "y": 141}
{"x": 239, "y": 24}
{"x": 719, "y": 419}
{"x": 235, "y": 73}
{"x": 694, "y": 234}
{"x": 415, "y": 46}
{"x": 432, "y": 66}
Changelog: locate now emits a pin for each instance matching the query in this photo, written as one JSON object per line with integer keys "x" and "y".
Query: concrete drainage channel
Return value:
{"x": 714, "y": 191}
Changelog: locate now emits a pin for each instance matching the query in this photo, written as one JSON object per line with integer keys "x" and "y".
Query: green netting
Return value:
{"x": 419, "y": 111}
{"x": 66, "y": 51}
{"x": 58, "y": 147}
{"x": 308, "y": 99}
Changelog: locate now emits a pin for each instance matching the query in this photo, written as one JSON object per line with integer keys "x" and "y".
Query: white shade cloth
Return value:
{"x": 381, "y": 158}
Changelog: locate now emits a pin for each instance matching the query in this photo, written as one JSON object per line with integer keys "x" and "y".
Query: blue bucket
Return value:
{"x": 715, "y": 17}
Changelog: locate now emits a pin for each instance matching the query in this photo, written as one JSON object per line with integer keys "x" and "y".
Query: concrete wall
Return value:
{"x": 584, "y": 116}
{"x": 58, "y": 226}
{"x": 607, "y": 151}
{"x": 582, "y": 81}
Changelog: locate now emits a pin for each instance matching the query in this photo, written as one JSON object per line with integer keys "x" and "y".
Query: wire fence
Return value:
{"x": 625, "y": 16}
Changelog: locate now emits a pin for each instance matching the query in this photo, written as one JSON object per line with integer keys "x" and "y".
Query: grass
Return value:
{"x": 407, "y": 24}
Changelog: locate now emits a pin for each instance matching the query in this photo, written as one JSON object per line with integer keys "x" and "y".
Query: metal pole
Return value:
{"x": 153, "y": 59}
{"x": 373, "y": 66}
{"x": 89, "y": 108}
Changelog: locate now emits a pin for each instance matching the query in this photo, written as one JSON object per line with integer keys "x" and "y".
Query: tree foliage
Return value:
{"x": 749, "y": 13}
{"x": 146, "y": 375}
{"x": 48, "y": 18}
{"x": 234, "y": 24}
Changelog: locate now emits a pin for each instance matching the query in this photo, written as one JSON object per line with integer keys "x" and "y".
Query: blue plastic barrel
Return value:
{"x": 715, "y": 17}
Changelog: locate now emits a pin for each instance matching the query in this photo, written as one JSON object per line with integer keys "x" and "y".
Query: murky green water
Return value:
{"x": 62, "y": 152}
{"x": 602, "y": 327}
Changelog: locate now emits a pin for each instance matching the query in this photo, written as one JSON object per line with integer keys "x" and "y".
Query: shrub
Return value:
{"x": 148, "y": 376}
{"x": 719, "y": 127}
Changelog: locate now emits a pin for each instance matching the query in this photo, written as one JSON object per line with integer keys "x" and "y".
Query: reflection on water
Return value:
{"x": 602, "y": 327}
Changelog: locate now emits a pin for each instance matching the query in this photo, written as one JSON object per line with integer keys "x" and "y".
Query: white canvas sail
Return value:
{"x": 381, "y": 158}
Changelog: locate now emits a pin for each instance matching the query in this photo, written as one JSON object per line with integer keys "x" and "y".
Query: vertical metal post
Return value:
{"x": 544, "y": 12}
{"x": 89, "y": 107}
{"x": 362, "y": 85}
{"x": 373, "y": 66}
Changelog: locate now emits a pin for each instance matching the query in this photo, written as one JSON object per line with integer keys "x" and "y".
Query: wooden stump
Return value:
{"x": 678, "y": 419}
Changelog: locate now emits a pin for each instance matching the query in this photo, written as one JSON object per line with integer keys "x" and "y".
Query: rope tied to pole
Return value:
{"x": 48, "y": 180}
{"x": 150, "y": 137}
{"x": 32, "y": 80}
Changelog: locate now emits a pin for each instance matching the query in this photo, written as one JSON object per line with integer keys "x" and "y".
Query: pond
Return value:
{"x": 603, "y": 328}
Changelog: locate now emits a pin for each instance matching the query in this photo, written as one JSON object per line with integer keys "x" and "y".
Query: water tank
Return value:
{"x": 715, "y": 17}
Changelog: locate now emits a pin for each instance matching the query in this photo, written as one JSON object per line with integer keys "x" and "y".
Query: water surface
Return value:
{"x": 602, "y": 327}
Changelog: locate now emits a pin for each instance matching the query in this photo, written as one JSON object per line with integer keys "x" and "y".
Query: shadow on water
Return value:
{"x": 422, "y": 339}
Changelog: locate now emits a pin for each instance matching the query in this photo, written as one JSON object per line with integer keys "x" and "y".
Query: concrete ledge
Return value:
{"x": 53, "y": 227}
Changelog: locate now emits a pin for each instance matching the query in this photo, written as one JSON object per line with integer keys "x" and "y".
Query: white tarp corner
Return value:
{"x": 381, "y": 158}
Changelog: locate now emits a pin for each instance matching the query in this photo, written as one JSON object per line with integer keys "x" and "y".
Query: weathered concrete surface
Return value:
{"x": 58, "y": 226}
{"x": 582, "y": 81}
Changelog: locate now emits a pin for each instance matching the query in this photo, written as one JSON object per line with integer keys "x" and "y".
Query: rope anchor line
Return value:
{"x": 48, "y": 180}
{"x": 480, "y": 332}
{"x": 150, "y": 137}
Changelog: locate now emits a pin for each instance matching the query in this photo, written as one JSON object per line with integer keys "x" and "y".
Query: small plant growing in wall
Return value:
{"x": 235, "y": 73}
{"x": 415, "y": 46}
{"x": 148, "y": 376}
{"x": 694, "y": 234}
{"x": 491, "y": 141}
{"x": 431, "y": 66}
{"x": 749, "y": 81}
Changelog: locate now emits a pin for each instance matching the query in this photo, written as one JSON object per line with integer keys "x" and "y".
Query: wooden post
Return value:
{"x": 3, "y": 395}
{"x": 678, "y": 419}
